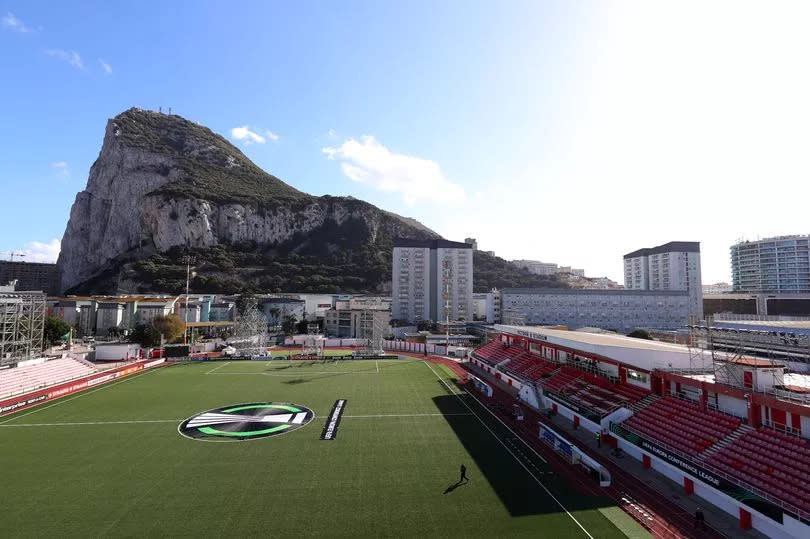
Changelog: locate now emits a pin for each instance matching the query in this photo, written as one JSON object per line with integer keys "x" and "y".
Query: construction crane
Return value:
{"x": 12, "y": 254}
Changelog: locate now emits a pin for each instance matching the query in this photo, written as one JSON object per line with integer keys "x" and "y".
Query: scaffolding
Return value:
{"x": 250, "y": 331}
{"x": 22, "y": 323}
{"x": 726, "y": 349}
{"x": 372, "y": 328}
{"x": 313, "y": 342}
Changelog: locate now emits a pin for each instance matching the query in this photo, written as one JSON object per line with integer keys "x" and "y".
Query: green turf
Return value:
{"x": 382, "y": 476}
{"x": 327, "y": 353}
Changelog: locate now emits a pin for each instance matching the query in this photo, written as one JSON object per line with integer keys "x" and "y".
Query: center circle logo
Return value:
{"x": 250, "y": 421}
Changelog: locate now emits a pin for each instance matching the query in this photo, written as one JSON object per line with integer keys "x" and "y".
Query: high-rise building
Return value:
{"x": 429, "y": 276}
{"x": 31, "y": 276}
{"x": 671, "y": 266}
{"x": 779, "y": 265}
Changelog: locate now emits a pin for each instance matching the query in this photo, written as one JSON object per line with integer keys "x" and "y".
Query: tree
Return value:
{"x": 144, "y": 335}
{"x": 55, "y": 330}
{"x": 640, "y": 334}
{"x": 288, "y": 326}
{"x": 171, "y": 327}
{"x": 424, "y": 325}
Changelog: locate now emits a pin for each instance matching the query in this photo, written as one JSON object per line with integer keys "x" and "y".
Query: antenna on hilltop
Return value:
{"x": 160, "y": 109}
{"x": 170, "y": 110}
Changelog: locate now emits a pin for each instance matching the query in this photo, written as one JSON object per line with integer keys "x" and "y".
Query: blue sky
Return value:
{"x": 565, "y": 132}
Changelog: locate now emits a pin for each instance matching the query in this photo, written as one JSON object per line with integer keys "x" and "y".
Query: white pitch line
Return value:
{"x": 404, "y": 415}
{"x": 63, "y": 400}
{"x": 215, "y": 368}
{"x": 92, "y": 423}
{"x": 508, "y": 427}
{"x": 137, "y": 421}
{"x": 293, "y": 374}
{"x": 510, "y": 451}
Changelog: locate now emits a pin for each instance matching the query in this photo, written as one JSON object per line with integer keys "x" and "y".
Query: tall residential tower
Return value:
{"x": 779, "y": 265}
{"x": 671, "y": 266}
{"x": 430, "y": 275}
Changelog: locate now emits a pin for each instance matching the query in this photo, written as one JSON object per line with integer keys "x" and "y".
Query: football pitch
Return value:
{"x": 111, "y": 460}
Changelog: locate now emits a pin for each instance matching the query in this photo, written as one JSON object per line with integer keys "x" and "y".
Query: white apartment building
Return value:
{"x": 779, "y": 265}
{"x": 716, "y": 288}
{"x": 618, "y": 310}
{"x": 671, "y": 266}
{"x": 579, "y": 272}
{"x": 427, "y": 276}
{"x": 494, "y": 306}
{"x": 537, "y": 267}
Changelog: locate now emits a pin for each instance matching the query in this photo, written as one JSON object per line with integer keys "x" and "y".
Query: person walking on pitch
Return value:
{"x": 463, "y": 474}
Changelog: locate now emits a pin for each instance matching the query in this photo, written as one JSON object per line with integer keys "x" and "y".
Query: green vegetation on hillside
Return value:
{"x": 346, "y": 257}
{"x": 310, "y": 264}
{"x": 492, "y": 271}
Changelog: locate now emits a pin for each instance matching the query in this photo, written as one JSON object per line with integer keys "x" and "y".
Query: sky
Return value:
{"x": 567, "y": 132}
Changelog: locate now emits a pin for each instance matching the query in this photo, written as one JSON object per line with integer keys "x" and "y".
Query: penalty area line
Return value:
{"x": 219, "y": 367}
{"x": 522, "y": 464}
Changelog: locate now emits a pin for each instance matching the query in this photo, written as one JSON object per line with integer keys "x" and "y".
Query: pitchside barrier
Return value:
{"x": 480, "y": 385}
{"x": 25, "y": 400}
{"x": 573, "y": 454}
{"x": 419, "y": 348}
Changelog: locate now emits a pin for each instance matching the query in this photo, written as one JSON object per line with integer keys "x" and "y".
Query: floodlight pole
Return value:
{"x": 188, "y": 276}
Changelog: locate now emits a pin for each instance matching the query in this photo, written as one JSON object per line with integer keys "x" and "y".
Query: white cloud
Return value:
{"x": 13, "y": 23}
{"x": 62, "y": 169}
{"x": 71, "y": 57}
{"x": 105, "y": 66}
{"x": 37, "y": 251}
{"x": 415, "y": 178}
{"x": 247, "y": 136}
{"x": 272, "y": 136}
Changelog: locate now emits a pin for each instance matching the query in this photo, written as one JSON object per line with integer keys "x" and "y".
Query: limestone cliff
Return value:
{"x": 163, "y": 187}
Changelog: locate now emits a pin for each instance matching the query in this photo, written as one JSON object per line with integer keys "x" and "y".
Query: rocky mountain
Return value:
{"x": 164, "y": 188}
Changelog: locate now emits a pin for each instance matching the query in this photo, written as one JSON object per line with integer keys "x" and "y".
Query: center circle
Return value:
{"x": 250, "y": 421}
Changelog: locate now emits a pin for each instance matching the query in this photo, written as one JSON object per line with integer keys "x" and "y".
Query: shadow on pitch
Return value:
{"x": 455, "y": 485}
{"x": 296, "y": 381}
{"x": 516, "y": 488}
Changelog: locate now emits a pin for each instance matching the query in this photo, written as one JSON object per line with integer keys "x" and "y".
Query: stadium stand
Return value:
{"x": 30, "y": 377}
{"x": 530, "y": 367}
{"x": 496, "y": 352}
{"x": 775, "y": 463}
{"x": 563, "y": 378}
{"x": 682, "y": 425}
{"x": 593, "y": 391}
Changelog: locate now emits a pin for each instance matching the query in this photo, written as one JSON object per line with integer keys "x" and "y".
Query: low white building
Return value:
{"x": 536, "y": 267}
{"x": 117, "y": 351}
{"x": 618, "y": 310}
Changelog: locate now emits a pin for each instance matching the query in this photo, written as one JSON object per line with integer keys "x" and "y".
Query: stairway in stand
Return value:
{"x": 646, "y": 401}
{"x": 740, "y": 431}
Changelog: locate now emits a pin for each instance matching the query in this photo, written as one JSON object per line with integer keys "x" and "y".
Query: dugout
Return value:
{"x": 573, "y": 455}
